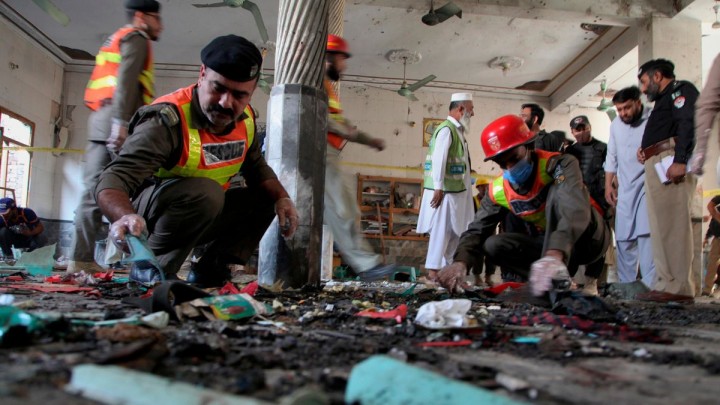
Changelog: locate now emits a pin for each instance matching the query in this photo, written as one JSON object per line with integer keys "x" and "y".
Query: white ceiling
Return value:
{"x": 545, "y": 33}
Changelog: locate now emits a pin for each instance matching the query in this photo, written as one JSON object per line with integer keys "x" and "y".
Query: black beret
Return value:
{"x": 664, "y": 66}
{"x": 234, "y": 57}
{"x": 146, "y": 6}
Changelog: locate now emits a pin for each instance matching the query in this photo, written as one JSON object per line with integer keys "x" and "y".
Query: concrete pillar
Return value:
{"x": 676, "y": 39}
{"x": 297, "y": 132}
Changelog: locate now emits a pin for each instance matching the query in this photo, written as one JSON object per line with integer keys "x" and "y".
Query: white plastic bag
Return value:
{"x": 444, "y": 314}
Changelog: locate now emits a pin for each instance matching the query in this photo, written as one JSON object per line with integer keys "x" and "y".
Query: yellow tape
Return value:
{"x": 486, "y": 178}
{"x": 38, "y": 149}
{"x": 711, "y": 193}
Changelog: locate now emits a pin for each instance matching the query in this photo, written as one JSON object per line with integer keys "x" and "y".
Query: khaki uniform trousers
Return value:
{"x": 669, "y": 213}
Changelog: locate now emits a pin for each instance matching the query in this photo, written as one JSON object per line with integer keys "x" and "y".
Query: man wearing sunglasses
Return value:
{"x": 121, "y": 82}
{"x": 545, "y": 189}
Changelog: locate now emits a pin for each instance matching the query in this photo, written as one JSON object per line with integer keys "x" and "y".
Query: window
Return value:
{"x": 15, "y": 132}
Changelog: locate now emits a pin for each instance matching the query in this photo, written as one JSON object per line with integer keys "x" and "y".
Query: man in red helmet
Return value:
{"x": 544, "y": 189}
{"x": 341, "y": 209}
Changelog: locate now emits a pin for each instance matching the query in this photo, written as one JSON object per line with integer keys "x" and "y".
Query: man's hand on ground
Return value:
{"x": 452, "y": 276}
{"x": 543, "y": 271}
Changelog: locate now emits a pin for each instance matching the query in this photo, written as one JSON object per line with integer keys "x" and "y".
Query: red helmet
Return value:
{"x": 336, "y": 44}
{"x": 503, "y": 134}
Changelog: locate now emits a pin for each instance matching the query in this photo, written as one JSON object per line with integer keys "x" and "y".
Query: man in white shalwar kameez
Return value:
{"x": 632, "y": 227}
{"x": 447, "y": 204}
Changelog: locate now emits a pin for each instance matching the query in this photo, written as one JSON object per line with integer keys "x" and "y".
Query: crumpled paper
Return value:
{"x": 444, "y": 314}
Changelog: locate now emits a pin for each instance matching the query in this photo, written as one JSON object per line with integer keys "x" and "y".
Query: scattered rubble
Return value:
{"x": 278, "y": 344}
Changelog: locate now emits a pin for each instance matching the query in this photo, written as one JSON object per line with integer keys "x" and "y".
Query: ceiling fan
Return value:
{"x": 435, "y": 17}
{"x": 247, "y": 5}
{"x": 53, "y": 11}
{"x": 605, "y": 104}
{"x": 407, "y": 90}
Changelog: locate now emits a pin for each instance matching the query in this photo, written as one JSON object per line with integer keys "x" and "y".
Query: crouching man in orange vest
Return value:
{"x": 543, "y": 188}
{"x": 178, "y": 161}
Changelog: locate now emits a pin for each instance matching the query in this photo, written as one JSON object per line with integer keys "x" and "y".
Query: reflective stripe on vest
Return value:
{"x": 334, "y": 113}
{"x": 204, "y": 154}
{"x": 103, "y": 79}
{"x": 455, "y": 166}
{"x": 531, "y": 206}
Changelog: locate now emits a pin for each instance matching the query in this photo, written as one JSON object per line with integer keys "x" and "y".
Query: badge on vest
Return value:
{"x": 223, "y": 152}
{"x": 457, "y": 169}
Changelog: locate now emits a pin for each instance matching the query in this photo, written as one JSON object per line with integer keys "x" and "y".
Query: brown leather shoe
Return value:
{"x": 664, "y": 297}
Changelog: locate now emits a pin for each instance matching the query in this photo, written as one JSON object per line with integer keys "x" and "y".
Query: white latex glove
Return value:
{"x": 287, "y": 216}
{"x": 118, "y": 134}
{"x": 129, "y": 223}
{"x": 544, "y": 271}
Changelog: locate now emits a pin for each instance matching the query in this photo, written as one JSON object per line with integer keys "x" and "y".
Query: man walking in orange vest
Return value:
{"x": 121, "y": 82}
{"x": 341, "y": 209}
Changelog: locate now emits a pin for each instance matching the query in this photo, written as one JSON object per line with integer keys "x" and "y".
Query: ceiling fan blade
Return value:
{"x": 611, "y": 113}
{"x": 447, "y": 11}
{"x": 212, "y": 5}
{"x": 605, "y": 105}
{"x": 53, "y": 11}
{"x": 421, "y": 83}
{"x": 265, "y": 86}
{"x": 411, "y": 97}
{"x": 253, "y": 8}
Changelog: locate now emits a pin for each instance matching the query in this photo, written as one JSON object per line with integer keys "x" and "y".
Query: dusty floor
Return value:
{"x": 667, "y": 354}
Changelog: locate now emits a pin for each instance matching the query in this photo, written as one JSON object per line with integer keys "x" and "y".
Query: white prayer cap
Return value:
{"x": 461, "y": 97}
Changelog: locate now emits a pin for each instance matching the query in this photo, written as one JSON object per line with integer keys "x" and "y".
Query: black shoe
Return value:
{"x": 145, "y": 273}
{"x": 205, "y": 278}
{"x": 378, "y": 272}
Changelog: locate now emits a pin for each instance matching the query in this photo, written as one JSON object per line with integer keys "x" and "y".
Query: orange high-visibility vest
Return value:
{"x": 104, "y": 76}
{"x": 204, "y": 154}
{"x": 529, "y": 207}
{"x": 335, "y": 113}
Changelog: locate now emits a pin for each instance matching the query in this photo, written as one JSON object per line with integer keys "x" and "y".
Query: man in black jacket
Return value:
{"x": 591, "y": 154}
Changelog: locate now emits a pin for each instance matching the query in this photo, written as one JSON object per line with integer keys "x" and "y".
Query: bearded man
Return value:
{"x": 669, "y": 137}
{"x": 447, "y": 204}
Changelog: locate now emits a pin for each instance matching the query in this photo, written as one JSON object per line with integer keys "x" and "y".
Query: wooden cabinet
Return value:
{"x": 395, "y": 200}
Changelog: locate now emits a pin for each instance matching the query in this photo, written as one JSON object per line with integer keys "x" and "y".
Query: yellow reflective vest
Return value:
{"x": 204, "y": 154}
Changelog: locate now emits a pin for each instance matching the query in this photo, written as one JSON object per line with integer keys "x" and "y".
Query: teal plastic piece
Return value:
{"x": 11, "y": 317}
{"x": 530, "y": 340}
{"x": 405, "y": 270}
{"x": 39, "y": 262}
{"x": 381, "y": 380}
{"x": 139, "y": 250}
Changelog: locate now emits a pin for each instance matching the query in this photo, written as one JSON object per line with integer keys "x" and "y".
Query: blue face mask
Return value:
{"x": 519, "y": 173}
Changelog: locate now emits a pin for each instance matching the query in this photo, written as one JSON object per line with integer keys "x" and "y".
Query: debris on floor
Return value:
{"x": 341, "y": 341}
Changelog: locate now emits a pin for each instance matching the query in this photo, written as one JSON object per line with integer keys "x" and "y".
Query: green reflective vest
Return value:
{"x": 455, "y": 166}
